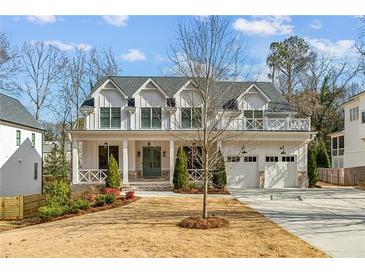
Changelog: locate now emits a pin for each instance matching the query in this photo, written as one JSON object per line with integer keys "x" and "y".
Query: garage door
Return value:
{"x": 242, "y": 172}
{"x": 280, "y": 171}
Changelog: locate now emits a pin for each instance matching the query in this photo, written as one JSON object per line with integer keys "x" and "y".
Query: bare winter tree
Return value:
{"x": 208, "y": 54}
{"x": 42, "y": 67}
{"x": 9, "y": 63}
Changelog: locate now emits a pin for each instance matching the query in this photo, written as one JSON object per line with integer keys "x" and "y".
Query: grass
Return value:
{"x": 148, "y": 228}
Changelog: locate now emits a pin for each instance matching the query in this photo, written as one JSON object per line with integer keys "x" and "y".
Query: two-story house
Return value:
{"x": 21, "y": 138}
{"x": 348, "y": 146}
{"x": 133, "y": 119}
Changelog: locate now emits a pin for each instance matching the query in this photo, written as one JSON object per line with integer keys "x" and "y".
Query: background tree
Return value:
{"x": 42, "y": 67}
{"x": 312, "y": 165}
{"x": 322, "y": 158}
{"x": 55, "y": 163}
{"x": 287, "y": 60}
{"x": 113, "y": 178}
{"x": 219, "y": 174}
{"x": 180, "y": 178}
{"x": 9, "y": 63}
{"x": 207, "y": 52}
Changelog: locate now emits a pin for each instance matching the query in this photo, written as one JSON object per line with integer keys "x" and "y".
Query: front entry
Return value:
{"x": 151, "y": 161}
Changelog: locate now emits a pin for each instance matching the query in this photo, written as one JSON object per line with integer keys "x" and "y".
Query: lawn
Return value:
{"x": 147, "y": 228}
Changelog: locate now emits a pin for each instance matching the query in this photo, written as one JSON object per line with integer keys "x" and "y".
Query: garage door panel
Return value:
{"x": 280, "y": 173}
{"x": 242, "y": 174}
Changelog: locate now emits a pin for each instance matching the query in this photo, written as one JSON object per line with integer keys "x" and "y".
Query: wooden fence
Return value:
{"x": 334, "y": 176}
{"x": 20, "y": 207}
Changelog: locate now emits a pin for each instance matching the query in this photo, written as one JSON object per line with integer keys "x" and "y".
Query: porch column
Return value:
{"x": 75, "y": 162}
{"x": 172, "y": 159}
{"x": 125, "y": 161}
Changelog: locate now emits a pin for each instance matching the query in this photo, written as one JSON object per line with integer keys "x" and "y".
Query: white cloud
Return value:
{"x": 339, "y": 49}
{"x": 116, "y": 20}
{"x": 67, "y": 46}
{"x": 42, "y": 19}
{"x": 315, "y": 24}
{"x": 133, "y": 55}
{"x": 160, "y": 58}
{"x": 264, "y": 25}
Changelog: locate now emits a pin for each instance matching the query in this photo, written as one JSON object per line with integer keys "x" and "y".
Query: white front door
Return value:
{"x": 243, "y": 173}
{"x": 280, "y": 172}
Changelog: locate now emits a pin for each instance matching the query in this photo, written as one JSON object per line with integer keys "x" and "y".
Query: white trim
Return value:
{"x": 259, "y": 89}
{"x": 105, "y": 83}
{"x": 144, "y": 87}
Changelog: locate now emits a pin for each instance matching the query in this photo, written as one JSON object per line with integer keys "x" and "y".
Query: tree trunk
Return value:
{"x": 205, "y": 199}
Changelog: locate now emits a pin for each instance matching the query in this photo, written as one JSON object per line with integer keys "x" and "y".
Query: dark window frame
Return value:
{"x": 35, "y": 171}
{"x": 18, "y": 137}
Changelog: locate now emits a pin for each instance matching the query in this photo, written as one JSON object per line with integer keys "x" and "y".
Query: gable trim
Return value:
{"x": 107, "y": 81}
{"x": 149, "y": 80}
{"x": 259, "y": 89}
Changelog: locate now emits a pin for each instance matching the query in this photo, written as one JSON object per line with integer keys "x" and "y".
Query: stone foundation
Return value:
{"x": 302, "y": 180}
{"x": 262, "y": 179}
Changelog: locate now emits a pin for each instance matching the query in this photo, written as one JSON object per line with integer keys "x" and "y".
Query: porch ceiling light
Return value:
{"x": 105, "y": 145}
{"x": 282, "y": 150}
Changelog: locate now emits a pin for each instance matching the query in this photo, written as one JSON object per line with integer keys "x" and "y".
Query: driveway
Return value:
{"x": 332, "y": 220}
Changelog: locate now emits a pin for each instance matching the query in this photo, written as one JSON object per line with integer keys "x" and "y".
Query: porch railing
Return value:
{"x": 272, "y": 124}
{"x": 196, "y": 175}
{"x": 93, "y": 176}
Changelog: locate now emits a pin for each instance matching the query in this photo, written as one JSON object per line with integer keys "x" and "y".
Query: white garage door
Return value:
{"x": 242, "y": 172}
{"x": 280, "y": 171}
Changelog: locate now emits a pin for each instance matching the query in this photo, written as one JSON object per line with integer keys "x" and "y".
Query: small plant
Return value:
{"x": 114, "y": 191}
{"x": 58, "y": 193}
{"x": 100, "y": 200}
{"x": 109, "y": 198}
{"x": 189, "y": 186}
{"x": 130, "y": 195}
{"x": 181, "y": 169}
{"x": 49, "y": 212}
{"x": 113, "y": 178}
{"x": 80, "y": 204}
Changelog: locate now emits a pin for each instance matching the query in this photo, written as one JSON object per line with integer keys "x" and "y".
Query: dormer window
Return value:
{"x": 110, "y": 117}
{"x": 171, "y": 102}
{"x": 131, "y": 102}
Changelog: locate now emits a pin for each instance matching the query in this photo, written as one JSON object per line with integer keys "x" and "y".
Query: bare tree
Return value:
{"x": 207, "y": 52}
{"x": 42, "y": 67}
{"x": 9, "y": 63}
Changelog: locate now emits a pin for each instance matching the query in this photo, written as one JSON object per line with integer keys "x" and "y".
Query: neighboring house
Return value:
{"x": 133, "y": 119}
{"x": 348, "y": 146}
{"x": 21, "y": 138}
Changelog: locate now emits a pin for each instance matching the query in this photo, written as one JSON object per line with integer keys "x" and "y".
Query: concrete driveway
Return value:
{"x": 332, "y": 220}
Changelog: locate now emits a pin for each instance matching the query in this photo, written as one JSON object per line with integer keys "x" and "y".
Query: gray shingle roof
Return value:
{"x": 11, "y": 110}
{"x": 170, "y": 85}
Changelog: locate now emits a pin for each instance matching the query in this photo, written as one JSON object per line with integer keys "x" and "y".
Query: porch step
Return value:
{"x": 147, "y": 186}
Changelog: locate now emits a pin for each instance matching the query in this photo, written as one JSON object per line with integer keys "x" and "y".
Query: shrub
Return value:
{"x": 312, "y": 165}
{"x": 129, "y": 195}
{"x": 113, "y": 178}
{"x": 181, "y": 169}
{"x": 55, "y": 163}
{"x": 114, "y": 191}
{"x": 109, "y": 198}
{"x": 219, "y": 174}
{"x": 50, "y": 211}
{"x": 100, "y": 200}
{"x": 189, "y": 186}
{"x": 79, "y": 204}
{"x": 323, "y": 159}
{"x": 58, "y": 193}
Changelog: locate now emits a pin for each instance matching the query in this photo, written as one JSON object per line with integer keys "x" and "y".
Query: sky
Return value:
{"x": 141, "y": 43}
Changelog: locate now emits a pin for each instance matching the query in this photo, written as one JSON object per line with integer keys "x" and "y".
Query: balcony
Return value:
{"x": 269, "y": 124}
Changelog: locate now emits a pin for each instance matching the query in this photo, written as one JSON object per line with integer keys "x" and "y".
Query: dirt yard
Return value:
{"x": 147, "y": 228}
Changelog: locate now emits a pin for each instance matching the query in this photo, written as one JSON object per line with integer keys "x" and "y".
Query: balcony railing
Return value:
{"x": 271, "y": 124}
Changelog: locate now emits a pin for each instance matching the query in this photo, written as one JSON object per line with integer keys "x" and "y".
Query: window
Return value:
{"x": 338, "y": 145}
{"x": 233, "y": 159}
{"x": 254, "y": 119}
{"x": 272, "y": 159}
{"x": 104, "y": 154}
{"x": 18, "y": 137}
{"x": 171, "y": 102}
{"x": 33, "y": 139}
{"x": 354, "y": 114}
{"x": 194, "y": 155}
{"x": 290, "y": 159}
{"x": 151, "y": 117}
{"x": 363, "y": 117}
{"x": 191, "y": 117}
{"x": 109, "y": 117}
{"x": 250, "y": 159}
{"x": 35, "y": 171}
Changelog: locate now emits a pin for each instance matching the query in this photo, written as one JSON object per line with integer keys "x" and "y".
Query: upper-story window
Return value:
{"x": 191, "y": 117}
{"x": 110, "y": 117}
{"x": 33, "y": 139}
{"x": 150, "y": 117}
{"x": 363, "y": 117}
{"x": 18, "y": 137}
{"x": 258, "y": 114}
{"x": 254, "y": 119}
{"x": 354, "y": 114}
{"x": 338, "y": 146}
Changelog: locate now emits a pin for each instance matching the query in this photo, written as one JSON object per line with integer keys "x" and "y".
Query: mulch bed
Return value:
{"x": 36, "y": 220}
{"x": 201, "y": 191}
{"x": 201, "y": 223}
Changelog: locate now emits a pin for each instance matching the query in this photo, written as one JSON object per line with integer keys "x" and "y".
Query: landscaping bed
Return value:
{"x": 201, "y": 191}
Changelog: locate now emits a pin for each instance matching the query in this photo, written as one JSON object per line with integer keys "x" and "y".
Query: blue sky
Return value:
{"x": 141, "y": 42}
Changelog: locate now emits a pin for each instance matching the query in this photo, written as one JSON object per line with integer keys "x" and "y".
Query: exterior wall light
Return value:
{"x": 282, "y": 150}
{"x": 243, "y": 149}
